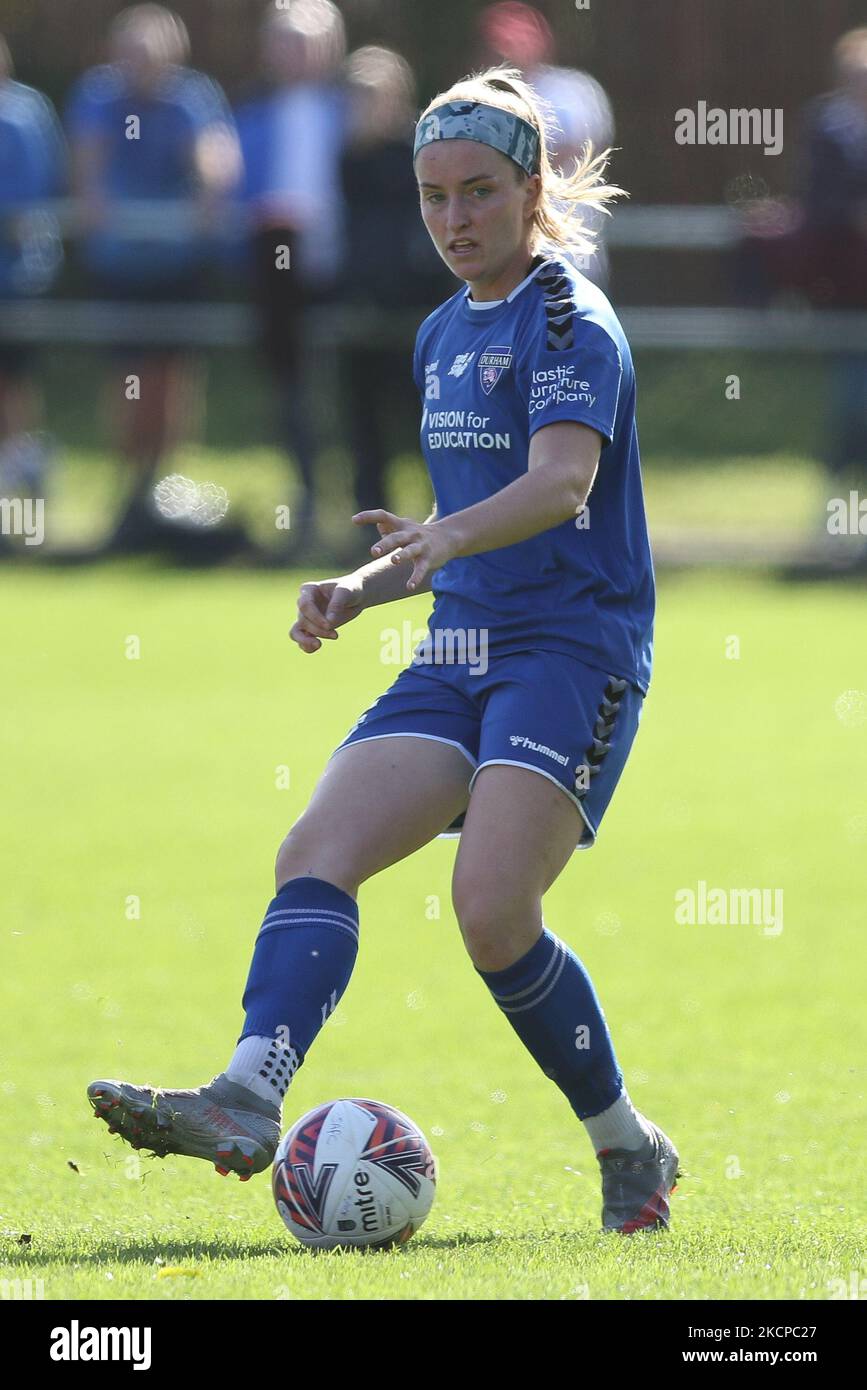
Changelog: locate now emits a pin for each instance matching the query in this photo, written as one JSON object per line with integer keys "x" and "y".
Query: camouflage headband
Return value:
{"x": 472, "y": 120}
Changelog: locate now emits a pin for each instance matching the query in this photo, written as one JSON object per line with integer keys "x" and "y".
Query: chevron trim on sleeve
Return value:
{"x": 559, "y": 308}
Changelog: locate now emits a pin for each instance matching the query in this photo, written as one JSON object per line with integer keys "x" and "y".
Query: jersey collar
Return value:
{"x": 477, "y": 311}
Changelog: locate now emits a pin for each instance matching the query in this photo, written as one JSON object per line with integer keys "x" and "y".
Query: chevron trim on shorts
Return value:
{"x": 606, "y": 717}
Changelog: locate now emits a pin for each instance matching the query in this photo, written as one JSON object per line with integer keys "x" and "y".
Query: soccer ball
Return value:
{"x": 353, "y": 1173}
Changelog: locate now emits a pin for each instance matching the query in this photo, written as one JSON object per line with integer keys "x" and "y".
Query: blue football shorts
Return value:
{"x": 537, "y": 709}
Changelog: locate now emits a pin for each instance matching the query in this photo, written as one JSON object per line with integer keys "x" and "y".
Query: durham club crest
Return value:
{"x": 492, "y": 363}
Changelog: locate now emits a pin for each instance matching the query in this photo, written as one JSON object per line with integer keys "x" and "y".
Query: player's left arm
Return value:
{"x": 562, "y": 463}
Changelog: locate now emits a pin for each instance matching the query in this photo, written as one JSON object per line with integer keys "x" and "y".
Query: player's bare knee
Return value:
{"x": 309, "y": 851}
{"x": 494, "y": 927}
{"x": 307, "y": 855}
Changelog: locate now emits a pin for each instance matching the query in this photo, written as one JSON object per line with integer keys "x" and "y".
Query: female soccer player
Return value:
{"x": 514, "y": 720}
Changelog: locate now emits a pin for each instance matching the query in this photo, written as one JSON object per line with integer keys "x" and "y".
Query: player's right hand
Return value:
{"x": 324, "y": 605}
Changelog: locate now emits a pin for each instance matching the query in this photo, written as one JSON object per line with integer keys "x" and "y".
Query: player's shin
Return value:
{"x": 302, "y": 963}
{"x": 549, "y": 999}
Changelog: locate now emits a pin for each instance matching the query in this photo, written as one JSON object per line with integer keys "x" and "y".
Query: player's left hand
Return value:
{"x": 425, "y": 543}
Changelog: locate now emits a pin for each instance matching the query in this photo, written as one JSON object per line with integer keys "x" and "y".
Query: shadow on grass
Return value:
{"x": 177, "y": 1252}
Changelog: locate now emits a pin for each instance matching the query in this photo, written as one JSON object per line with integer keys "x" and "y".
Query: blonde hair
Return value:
{"x": 850, "y": 52}
{"x": 375, "y": 66}
{"x": 161, "y": 31}
{"x": 318, "y": 22}
{"x": 557, "y": 225}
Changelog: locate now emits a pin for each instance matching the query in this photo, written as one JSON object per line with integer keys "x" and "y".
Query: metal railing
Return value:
{"x": 212, "y": 324}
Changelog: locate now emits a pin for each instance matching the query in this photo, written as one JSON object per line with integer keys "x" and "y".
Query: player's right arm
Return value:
{"x": 328, "y": 604}
{"x": 385, "y": 579}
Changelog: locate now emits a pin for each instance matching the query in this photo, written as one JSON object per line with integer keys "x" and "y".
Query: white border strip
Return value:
{"x": 435, "y": 738}
{"x": 490, "y": 762}
{"x": 513, "y": 762}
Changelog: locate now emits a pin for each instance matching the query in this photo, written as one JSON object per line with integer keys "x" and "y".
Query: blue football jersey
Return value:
{"x": 490, "y": 375}
{"x": 32, "y": 170}
{"x": 153, "y": 162}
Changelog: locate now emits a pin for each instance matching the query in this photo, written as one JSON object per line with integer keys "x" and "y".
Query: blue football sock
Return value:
{"x": 304, "y": 956}
{"x": 549, "y": 999}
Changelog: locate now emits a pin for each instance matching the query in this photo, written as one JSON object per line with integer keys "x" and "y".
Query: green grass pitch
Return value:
{"x": 157, "y": 780}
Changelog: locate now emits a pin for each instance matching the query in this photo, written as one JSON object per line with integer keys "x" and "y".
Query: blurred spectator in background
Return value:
{"x": 390, "y": 265}
{"x": 32, "y": 169}
{"x": 518, "y": 35}
{"x": 292, "y": 135}
{"x": 815, "y": 243}
{"x": 145, "y": 128}
{"x": 834, "y": 192}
